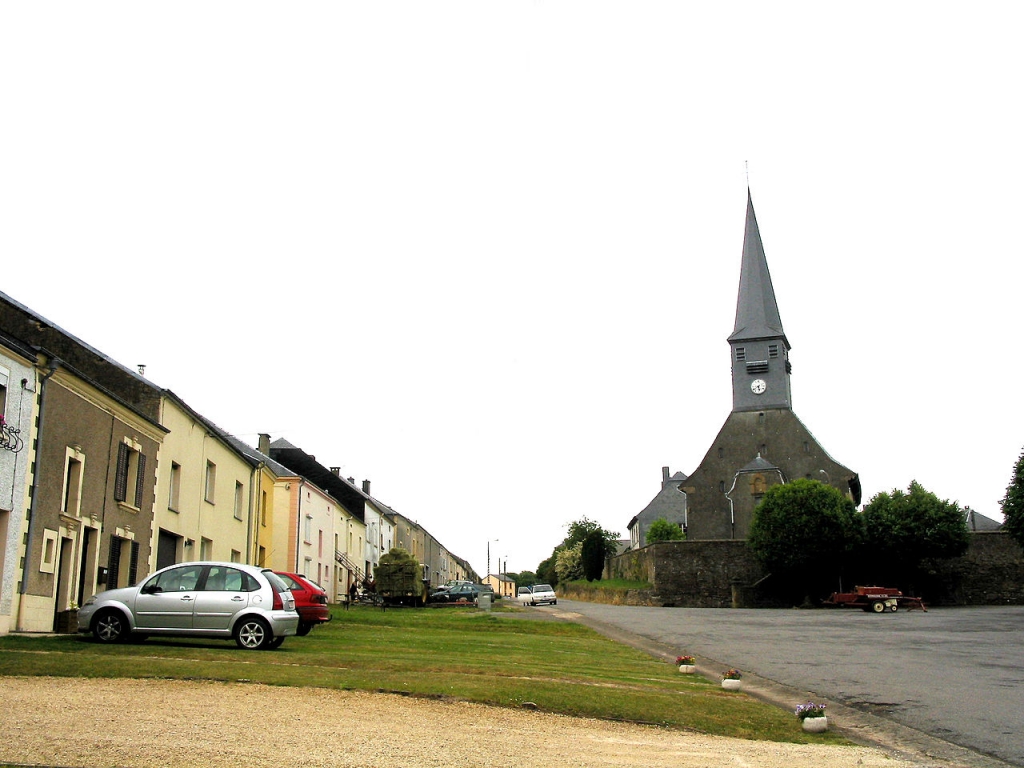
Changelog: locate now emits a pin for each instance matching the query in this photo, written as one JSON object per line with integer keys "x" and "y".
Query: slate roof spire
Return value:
{"x": 757, "y": 313}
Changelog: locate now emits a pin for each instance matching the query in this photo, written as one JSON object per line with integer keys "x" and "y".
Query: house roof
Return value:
{"x": 300, "y": 462}
{"x": 978, "y": 522}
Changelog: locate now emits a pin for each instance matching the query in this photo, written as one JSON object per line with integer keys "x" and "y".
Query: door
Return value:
{"x": 166, "y": 549}
{"x": 167, "y": 600}
{"x": 225, "y": 593}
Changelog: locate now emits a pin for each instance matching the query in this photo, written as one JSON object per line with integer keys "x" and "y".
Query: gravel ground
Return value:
{"x": 99, "y": 723}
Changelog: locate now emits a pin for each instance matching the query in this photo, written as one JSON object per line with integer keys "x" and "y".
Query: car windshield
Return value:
{"x": 543, "y": 588}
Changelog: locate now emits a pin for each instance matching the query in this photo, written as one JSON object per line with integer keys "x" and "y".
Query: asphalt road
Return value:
{"x": 956, "y": 674}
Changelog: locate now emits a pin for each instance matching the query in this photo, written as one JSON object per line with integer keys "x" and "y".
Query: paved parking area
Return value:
{"x": 953, "y": 673}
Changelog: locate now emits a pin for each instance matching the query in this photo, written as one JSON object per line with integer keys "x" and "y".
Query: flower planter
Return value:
{"x": 66, "y": 623}
{"x": 687, "y": 669}
{"x": 731, "y": 685}
{"x": 815, "y": 724}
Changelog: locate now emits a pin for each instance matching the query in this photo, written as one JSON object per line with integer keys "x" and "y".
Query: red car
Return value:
{"x": 310, "y": 601}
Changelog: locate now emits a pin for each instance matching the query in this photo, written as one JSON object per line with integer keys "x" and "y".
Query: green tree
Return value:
{"x": 523, "y": 578}
{"x": 550, "y": 572}
{"x": 580, "y": 529}
{"x": 805, "y": 533}
{"x": 662, "y": 530}
{"x": 592, "y": 556}
{"x": 568, "y": 563}
{"x": 1013, "y": 503}
{"x": 902, "y": 529}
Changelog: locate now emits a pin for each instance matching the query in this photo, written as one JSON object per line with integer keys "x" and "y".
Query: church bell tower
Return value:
{"x": 760, "y": 350}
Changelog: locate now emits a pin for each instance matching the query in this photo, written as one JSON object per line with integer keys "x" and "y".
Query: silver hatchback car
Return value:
{"x": 205, "y": 599}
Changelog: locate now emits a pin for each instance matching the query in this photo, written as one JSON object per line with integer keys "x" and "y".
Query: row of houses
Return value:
{"x": 105, "y": 477}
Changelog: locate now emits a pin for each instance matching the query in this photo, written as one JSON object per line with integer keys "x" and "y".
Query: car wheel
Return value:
{"x": 276, "y": 642}
{"x": 554, "y": 602}
{"x": 304, "y": 629}
{"x": 110, "y": 626}
{"x": 252, "y": 634}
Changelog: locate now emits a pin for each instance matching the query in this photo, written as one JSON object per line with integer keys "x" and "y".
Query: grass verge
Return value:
{"x": 497, "y": 658}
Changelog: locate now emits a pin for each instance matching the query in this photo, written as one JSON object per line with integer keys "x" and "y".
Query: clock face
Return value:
{"x": 757, "y": 386}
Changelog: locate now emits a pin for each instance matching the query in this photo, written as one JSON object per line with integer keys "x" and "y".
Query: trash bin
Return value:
{"x": 484, "y": 601}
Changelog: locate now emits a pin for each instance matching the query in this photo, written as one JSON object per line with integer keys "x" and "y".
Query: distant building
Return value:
{"x": 762, "y": 442}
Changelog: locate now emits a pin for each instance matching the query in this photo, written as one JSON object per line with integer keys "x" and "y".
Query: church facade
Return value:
{"x": 763, "y": 442}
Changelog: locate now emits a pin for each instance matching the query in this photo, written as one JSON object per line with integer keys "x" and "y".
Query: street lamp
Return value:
{"x": 489, "y": 557}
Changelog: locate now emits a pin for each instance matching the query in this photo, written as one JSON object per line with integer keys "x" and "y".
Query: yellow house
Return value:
{"x": 206, "y": 491}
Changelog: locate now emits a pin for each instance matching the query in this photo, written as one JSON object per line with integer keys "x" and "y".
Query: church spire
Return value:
{"x": 760, "y": 349}
{"x": 757, "y": 313}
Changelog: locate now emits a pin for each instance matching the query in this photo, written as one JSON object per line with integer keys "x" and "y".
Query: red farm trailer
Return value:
{"x": 877, "y": 599}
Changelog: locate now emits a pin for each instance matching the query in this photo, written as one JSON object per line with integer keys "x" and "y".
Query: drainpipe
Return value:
{"x": 732, "y": 511}
{"x": 54, "y": 364}
{"x": 298, "y": 530}
{"x": 250, "y": 548}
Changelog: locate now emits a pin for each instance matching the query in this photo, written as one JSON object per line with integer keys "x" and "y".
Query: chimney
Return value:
{"x": 351, "y": 481}
{"x": 336, "y": 471}
{"x": 366, "y": 487}
{"x": 664, "y": 476}
{"x": 264, "y": 444}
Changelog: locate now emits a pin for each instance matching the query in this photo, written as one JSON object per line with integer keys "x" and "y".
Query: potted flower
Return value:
{"x": 812, "y": 717}
{"x": 731, "y": 679}
{"x": 686, "y": 664}
{"x": 67, "y": 621}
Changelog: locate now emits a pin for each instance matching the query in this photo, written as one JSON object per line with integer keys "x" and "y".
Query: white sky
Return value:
{"x": 495, "y": 248}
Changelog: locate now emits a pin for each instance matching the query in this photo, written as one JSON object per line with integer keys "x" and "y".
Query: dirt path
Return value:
{"x": 98, "y": 723}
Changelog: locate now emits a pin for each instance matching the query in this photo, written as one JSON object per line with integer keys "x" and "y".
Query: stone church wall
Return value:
{"x": 723, "y": 574}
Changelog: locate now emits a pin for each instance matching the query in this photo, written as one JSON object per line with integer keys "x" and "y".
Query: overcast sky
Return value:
{"x": 493, "y": 250}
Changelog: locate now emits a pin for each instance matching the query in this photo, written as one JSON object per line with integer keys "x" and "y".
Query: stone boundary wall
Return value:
{"x": 693, "y": 574}
{"x": 991, "y": 573}
{"x": 723, "y": 574}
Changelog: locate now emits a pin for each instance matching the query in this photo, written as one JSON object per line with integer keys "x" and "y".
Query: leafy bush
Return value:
{"x": 662, "y": 530}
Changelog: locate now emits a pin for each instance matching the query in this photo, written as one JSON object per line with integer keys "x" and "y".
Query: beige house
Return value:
{"x": 206, "y": 492}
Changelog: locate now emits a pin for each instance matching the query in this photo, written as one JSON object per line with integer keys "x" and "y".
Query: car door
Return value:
{"x": 167, "y": 601}
{"x": 225, "y": 593}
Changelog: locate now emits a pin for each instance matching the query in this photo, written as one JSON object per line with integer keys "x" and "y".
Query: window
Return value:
{"x": 211, "y": 480}
{"x": 238, "y": 500}
{"x": 307, "y": 532}
{"x": 263, "y": 508}
{"x": 773, "y": 350}
{"x": 48, "y": 561}
{"x": 131, "y": 469}
{"x": 73, "y": 483}
{"x": 741, "y": 353}
{"x": 206, "y": 549}
{"x": 175, "y": 490}
{"x": 184, "y": 579}
{"x": 236, "y": 556}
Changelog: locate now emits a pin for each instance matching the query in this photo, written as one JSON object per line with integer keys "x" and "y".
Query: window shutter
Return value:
{"x": 112, "y": 562}
{"x": 121, "y": 478}
{"x": 140, "y": 482}
{"x": 133, "y": 566}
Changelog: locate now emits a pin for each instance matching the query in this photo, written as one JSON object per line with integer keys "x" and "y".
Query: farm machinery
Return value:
{"x": 876, "y": 599}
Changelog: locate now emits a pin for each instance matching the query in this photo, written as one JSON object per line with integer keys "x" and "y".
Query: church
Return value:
{"x": 762, "y": 442}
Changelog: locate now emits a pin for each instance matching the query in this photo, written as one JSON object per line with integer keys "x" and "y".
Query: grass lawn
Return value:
{"x": 498, "y": 658}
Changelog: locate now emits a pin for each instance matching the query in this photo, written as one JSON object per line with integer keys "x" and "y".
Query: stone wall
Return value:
{"x": 723, "y": 574}
{"x": 991, "y": 573}
{"x": 695, "y": 574}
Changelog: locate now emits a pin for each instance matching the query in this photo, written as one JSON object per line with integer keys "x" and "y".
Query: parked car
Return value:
{"x": 205, "y": 599}
{"x": 310, "y": 601}
{"x": 542, "y": 593}
{"x": 460, "y": 593}
{"x": 524, "y": 595}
